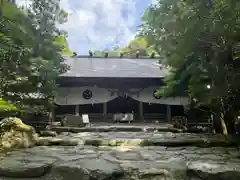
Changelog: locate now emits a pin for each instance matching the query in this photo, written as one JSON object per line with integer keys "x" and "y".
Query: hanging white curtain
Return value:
{"x": 146, "y": 96}
{"x": 73, "y": 96}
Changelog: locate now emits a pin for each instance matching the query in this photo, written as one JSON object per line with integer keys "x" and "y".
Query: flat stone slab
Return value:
{"x": 124, "y": 156}
{"x": 121, "y": 163}
{"x": 137, "y": 139}
{"x": 48, "y": 133}
{"x": 55, "y": 141}
{"x": 24, "y": 165}
{"x": 119, "y": 128}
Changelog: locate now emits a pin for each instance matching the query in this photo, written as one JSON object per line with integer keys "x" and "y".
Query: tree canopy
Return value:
{"x": 31, "y": 48}
{"x": 138, "y": 44}
{"x": 200, "y": 41}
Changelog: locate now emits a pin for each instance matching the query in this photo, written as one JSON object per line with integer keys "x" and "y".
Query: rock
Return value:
{"x": 72, "y": 121}
{"x": 113, "y": 142}
{"x": 172, "y": 169}
{"x": 173, "y": 142}
{"x": 15, "y": 134}
{"x": 76, "y": 129}
{"x": 214, "y": 170}
{"x": 18, "y": 165}
{"x": 198, "y": 129}
{"x": 57, "y": 123}
{"x": 177, "y": 167}
{"x": 95, "y": 169}
{"x": 128, "y": 156}
{"x": 54, "y": 124}
{"x": 114, "y": 163}
{"x": 179, "y": 121}
{"x": 48, "y": 133}
{"x": 49, "y": 141}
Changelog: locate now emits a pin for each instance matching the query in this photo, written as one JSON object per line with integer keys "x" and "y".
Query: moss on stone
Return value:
{"x": 15, "y": 134}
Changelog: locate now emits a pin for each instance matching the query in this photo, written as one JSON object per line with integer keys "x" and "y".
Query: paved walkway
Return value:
{"x": 125, "y": 162}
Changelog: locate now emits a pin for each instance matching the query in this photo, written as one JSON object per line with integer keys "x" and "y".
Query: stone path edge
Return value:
{"x": 49, "y": 141}
{"x": 115, "y": 129}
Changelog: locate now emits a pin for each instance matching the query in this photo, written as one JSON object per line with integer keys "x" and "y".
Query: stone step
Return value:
{"x": 116, "y": 129}
{"x": 183, "y": 140}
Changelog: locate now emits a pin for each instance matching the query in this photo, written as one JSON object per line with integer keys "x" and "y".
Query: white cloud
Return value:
{"x": 154, "y": 1}
{"x": 64, "y": 4}
{"x": 24, "y": 3}
{"x": 86, "y": 17}
{"x": 96, "y": 24}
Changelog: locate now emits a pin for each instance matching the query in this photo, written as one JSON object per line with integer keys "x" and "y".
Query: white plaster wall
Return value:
{"x": 146, "y": 95}
{"x": 73, "y": 96}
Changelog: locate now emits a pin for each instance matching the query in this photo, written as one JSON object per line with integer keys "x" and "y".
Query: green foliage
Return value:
{"x": 113, "y": 52}
{"x": 200, "y": 41}
{"x": 31, "y": 48}
{"x": 197, "y": 42}
{"x": 62, "y": 42}
{"x": 5, "y": 106}
{"x": 138, "y": 44}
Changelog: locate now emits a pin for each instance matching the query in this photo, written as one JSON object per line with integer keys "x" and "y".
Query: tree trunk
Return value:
{"x": 1, "y": 8}
{"x": 217, "y": 123}
{"x": 223, "y": 124}
{"x": 229, "y": 119}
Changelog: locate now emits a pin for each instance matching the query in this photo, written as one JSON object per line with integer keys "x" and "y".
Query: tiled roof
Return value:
{"x": 84, "y": 66}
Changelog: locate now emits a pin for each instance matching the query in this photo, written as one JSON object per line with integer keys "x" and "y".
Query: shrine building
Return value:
{"x": 104, "y": 86}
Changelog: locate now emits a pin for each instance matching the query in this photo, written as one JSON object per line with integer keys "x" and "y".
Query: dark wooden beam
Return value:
{"x": 110, "y": 82}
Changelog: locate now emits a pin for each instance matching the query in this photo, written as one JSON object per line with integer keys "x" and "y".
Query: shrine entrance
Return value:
{"x": 123, "y": 104}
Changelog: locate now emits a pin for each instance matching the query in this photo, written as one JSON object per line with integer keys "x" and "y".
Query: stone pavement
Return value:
{"x": 137, "y": 138}
{"x": 119, "y": 127}
{"x": 124, "y": 162}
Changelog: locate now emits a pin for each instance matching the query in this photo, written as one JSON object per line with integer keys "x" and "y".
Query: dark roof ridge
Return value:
{"x": 116, "y": 57}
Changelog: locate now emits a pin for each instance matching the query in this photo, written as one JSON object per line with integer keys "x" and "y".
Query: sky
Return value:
{"x": 100, "y": 24}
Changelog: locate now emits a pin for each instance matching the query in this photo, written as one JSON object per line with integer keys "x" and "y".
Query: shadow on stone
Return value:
{"x": 200, "y": 175}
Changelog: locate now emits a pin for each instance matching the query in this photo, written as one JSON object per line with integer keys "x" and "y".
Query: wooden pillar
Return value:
{"x": 141, "y": 111}
{"x": 168, "y": 113}
{"x": 186, "y": 111}
{"x": 105, "y": 111}
{"x": 52, "y": 114}
{"x": 77, "y": 110}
